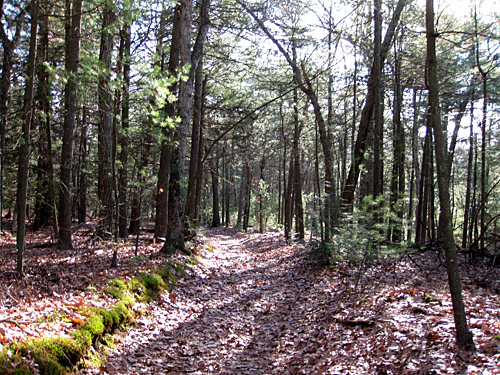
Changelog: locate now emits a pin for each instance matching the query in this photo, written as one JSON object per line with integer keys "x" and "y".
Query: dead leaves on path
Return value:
{"x": 258, "y": 306}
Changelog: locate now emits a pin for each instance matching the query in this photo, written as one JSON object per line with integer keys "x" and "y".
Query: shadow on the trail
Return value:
{"x": 265, "y": 319}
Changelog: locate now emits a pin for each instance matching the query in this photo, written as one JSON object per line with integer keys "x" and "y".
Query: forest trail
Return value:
{"x": 250, "y": 309}
{"x": 258, "y": 306}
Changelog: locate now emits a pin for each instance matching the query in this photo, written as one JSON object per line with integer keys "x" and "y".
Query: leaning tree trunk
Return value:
{"x": 463, "y": 334}
{"x": 24, "y": 152}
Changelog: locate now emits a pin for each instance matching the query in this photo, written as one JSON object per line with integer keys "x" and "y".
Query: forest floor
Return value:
{"x": 255, "y": 305}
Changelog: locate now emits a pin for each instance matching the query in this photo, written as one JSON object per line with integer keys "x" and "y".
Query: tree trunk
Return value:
{"x": 463, "y": 334}
{"x": 83, "y": 165}
{"x": 261, "y": 193}
{"x": 288, "y": 202}
{"x": 470, "y": 159}
{"x": 24, "y": 152}
{"x": 366, "y": 115}
{"x": 105, "y": 127}
{"x": 123, "y": 136}
{"x": 195, "y": 146}
{"x": 247, "y": 196}
{"x": 45, "y": 200}
{"x": 162, "y": 189}
{"x": 8, "y": 49}
{"x": 414, "y": 178}
{"x": 297, "y": 182}
{"x": 214, "y": 171}
{"x": 378, "y": 115}
{"x": 72, "y": 40}
{"x": 175, "y": 228}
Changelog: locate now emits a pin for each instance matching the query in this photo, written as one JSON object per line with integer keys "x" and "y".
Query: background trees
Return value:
{"x": 291, "y": 108}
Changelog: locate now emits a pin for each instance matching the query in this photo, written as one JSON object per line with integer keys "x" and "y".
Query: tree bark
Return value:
{"x": 169, "y": 109}
{"x": 176, "y": 222}
{"x": 83, "y": 165}
{"x": 24, "y": 152}
{"x": 105, "y": 126}
{"x": 366, "y": 115}
{"x": 463, "y": 334}
{"x": 123, "y": 136}
{"x": 9, "y": 45}
{"x": 214, "y": 171}
{"x": 72, "y": 40}
{"x": 470, "y": 160}
{"x": 45, "y": 199}
{"x": 195, "y": 146}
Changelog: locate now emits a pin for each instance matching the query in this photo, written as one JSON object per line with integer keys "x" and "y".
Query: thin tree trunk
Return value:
{"x": 463, "y": 334}
{"x": 123, "y": 136}
{"x": 470, "y": 160}
{"x": 195, "y": 145}
{"x": 260, "y": 192}
{"x": 72, "y": 40}
{"x": 414, "y": 178}
{"x": 288, "y": 202}
{"x": 9, "y": 45}
{"x": 247, "y": 196}
{"x": 82, "y": 180}
{"x": 214, "y": 171}
{"x": 24, "y": 152}
{"x": 378, "y": 115}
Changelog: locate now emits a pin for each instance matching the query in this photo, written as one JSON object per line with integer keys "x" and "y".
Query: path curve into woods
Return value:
{"x": 257, "y": 306}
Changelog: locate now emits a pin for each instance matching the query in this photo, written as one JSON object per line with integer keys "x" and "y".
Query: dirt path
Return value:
{"x": 247, "y": 311}
{"x": 258, "y": 307}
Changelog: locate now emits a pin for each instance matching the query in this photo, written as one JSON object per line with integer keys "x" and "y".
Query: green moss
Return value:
{"x": 116, "y": 288}
{"x": 497, "y": 337}
{"x": 94, "y": 325}
{"x": 153, "y": 282}
{"x": 57, "y": 356}
{"x": 109, "y": 341}
{"x": 168, "y": 276}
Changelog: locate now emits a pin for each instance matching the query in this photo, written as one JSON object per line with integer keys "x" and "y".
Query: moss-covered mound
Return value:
{"x": 60, "y": 355}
